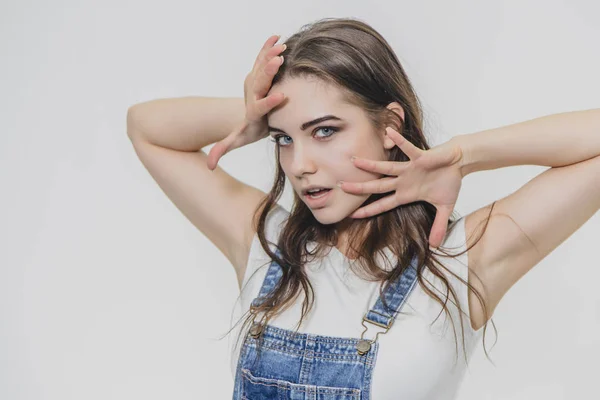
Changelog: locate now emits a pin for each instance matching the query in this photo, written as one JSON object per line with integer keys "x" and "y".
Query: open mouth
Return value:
{"x": 318, "y": 193}
{"x": 318, "y": 198}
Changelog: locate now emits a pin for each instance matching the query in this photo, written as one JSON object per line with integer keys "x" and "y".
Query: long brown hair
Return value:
{"x": 355, "y": 58}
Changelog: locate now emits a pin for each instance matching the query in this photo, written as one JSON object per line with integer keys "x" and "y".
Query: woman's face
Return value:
{"x": 320, "y": 154}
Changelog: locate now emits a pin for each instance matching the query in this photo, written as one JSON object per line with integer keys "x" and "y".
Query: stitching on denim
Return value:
{"x": 319, "y": 389}
{"x": 317, "y": 355}
{"x": 345, "y": 358}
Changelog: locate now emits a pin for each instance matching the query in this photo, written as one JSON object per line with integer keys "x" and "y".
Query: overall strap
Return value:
{"x": 274, "y": 273}
{"x": 395, "y": 295}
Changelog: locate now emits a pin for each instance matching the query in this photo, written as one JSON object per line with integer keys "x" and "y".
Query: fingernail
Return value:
{"x": 281, "y": 60}
{"x": 284, "y": 47}
{"x": 340, "y": 183}
{"x": 352, "y": 158}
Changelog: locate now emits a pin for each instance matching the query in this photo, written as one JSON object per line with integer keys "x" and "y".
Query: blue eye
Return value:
{"x": 331, "y": 128}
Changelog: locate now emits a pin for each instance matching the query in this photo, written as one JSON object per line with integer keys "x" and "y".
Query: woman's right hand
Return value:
{"x": 256, "y": 86}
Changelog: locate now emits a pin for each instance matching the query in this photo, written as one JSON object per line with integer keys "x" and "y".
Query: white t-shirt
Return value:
{"x": 416, "y": 360}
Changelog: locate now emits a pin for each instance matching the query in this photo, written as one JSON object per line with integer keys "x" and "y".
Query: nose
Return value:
{"x": 302, "y": 162}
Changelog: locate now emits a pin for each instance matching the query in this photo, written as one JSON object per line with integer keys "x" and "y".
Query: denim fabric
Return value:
{"x": 302, "y": 366}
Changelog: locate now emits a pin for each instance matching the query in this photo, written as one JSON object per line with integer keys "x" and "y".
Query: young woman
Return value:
{"x": 360, "y": 290}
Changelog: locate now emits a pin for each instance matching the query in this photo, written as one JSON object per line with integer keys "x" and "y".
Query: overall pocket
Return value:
{"x": 258, "y": 388}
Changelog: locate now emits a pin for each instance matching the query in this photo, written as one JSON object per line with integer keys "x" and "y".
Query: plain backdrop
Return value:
{"x": 108, "y": 292}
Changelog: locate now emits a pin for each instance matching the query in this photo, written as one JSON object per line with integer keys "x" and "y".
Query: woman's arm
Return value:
{"x": 530, "y": 223}
{"x": 554, "y": 140}
{"x": 185, "y": 123}
{"x": 168, "y": 136}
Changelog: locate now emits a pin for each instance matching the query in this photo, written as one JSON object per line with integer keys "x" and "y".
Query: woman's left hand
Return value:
{"x": 431, "y": 175}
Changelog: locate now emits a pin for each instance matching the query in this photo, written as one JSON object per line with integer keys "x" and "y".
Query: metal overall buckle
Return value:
{"x": 364, "y": 345}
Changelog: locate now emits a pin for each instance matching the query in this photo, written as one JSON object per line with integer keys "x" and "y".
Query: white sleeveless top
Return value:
{"x": 416, "y": 360}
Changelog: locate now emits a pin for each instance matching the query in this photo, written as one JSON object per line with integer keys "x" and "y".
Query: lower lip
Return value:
{"x": 320, "y": 201}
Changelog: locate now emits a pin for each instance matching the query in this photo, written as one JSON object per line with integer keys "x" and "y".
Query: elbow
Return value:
{"x": 131, "y": 123}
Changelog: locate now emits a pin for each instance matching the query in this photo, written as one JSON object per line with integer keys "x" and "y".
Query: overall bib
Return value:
{"x": 304, "y": 366}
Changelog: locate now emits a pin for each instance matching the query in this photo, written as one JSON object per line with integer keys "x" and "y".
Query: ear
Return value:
{"x": 397, "y": 108}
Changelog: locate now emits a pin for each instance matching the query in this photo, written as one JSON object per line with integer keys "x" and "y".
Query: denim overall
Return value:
{"x": 305, "y": 366}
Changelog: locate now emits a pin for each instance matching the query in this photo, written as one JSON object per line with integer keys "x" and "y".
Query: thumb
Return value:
{"x": 439, "y": 227}
{"x": 217, "y": 151}
{"x": 222, "y": 147}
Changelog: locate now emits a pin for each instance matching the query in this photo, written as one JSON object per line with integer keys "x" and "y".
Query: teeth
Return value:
{"x": 317, "y": 196}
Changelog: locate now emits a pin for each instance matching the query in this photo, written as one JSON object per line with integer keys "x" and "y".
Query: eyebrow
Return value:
{"x": 309, "y": 123}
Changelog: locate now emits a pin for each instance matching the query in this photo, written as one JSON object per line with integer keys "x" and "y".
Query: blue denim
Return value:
{"x": 302, "y": 366}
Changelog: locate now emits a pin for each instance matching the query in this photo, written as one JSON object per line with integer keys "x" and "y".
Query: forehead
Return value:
{"x": 306, "y": 99}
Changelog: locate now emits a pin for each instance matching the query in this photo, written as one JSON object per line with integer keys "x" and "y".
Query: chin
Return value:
{"x": 330, "y": 215}
{"x": 324, "y": 218}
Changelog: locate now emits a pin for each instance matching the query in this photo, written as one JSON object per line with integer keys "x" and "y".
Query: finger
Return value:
{"x": 380, "y": 185}
{"x": 265, "y": 105}
{"x": 270, "y": 54}
{"x": 382, "y": 205}
{"x": 218, "y": 150}
{"x": 381, "y": 167}
{"x": 262, "y": 53}
{"x": 412, "y": 151}
{"x": 214, "y": 155}
{"x": 264, "y": 78}
{"x": 439, "y": 227}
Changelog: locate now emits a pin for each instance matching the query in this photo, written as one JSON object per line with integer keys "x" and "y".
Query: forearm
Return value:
{"x": 554, "y": 140}
{"x": 185, "y": 123}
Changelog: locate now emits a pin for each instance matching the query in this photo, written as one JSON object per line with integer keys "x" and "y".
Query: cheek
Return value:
{"x": 346, "y": 170}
